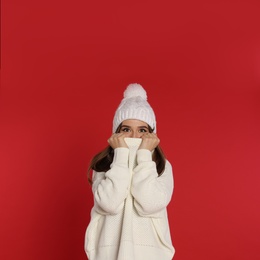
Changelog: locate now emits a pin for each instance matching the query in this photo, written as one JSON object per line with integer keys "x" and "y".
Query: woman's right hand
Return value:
{"x": 117, "y": 140}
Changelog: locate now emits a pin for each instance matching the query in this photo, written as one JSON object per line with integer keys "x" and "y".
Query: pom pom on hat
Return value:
{"x": 134, "y": 90}
{"x": 134, "y": 105}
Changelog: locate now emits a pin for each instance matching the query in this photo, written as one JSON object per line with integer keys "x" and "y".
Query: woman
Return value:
{"x": 132, "y": 185}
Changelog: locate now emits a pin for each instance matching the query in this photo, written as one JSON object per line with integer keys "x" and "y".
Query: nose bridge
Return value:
{"x": 135, "y": 133}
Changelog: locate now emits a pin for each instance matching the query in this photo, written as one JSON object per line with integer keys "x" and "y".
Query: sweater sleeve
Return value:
{"x": 152, "y": 193}
{"x": 111, "y": 188}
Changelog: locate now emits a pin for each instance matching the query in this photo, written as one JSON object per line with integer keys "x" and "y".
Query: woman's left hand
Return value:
{"x": 149, "y": 141}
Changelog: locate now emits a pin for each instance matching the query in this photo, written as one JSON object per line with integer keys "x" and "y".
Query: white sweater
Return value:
{"x": 129, "y": 218}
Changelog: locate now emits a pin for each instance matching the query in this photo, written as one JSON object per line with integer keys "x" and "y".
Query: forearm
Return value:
{"x": 151, "y": 193}
{"x": 110, "y": 188}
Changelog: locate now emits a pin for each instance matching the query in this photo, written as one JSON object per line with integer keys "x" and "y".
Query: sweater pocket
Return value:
{"x": 163, "y": 233}
{"x": 103, "y": 236}
{"x": 92, "y": 235}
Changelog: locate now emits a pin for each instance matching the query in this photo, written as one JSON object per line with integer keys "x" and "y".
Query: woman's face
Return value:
{"x": 134, "y": 128}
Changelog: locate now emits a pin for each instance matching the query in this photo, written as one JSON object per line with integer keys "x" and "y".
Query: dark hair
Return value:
{"x": 101, "y": 161}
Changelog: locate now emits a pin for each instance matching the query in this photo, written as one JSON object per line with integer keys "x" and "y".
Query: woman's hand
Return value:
{"x": 150, "y": 141}
{"x": 117, "y": 140}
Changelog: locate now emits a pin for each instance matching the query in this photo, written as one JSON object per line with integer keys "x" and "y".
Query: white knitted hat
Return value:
{"x": 134, "y": 105}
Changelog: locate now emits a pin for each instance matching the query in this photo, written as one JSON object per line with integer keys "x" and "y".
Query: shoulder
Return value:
{"x": 168, "y": 168}
{"x": 168, "y": 165}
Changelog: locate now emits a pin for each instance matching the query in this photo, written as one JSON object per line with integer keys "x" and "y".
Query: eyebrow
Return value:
{"x": 138, "y": 126}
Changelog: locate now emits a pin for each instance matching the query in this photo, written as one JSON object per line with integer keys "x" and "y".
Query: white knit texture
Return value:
{"x": 134, "y": 106}
{"x": 129, "y": 218}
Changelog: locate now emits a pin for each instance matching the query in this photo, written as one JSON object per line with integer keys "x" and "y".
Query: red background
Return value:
{"x": 65, "y": 66}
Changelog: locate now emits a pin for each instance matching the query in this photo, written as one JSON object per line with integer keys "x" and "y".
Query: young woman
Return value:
{"x": 132, "y": 184}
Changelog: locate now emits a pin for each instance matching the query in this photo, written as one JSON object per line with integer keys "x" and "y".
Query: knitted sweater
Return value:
{"x": 129, "y": 218}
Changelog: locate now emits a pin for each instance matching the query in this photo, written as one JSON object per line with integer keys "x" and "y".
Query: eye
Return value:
{"x": 125, "y": 129}
{"x": 143, "y": 130}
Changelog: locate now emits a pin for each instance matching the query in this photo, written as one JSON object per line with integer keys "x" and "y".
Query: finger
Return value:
{"x": 121, "y": 135}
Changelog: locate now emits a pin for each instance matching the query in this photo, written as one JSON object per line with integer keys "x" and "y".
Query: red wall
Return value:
{"x": 65, "y": 66}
